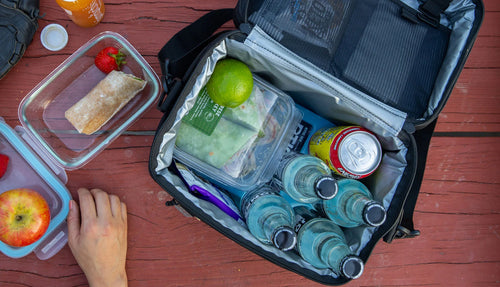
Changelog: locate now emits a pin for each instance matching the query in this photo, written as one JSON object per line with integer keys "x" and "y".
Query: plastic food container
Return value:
{"x": 256, "y": 163}
{"x": 42, "y": 111}
{"x": 47, "y": 144}
{"x": 27, "y": 170}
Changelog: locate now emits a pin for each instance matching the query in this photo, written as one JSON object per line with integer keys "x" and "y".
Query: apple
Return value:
{"x": 24, "y": 217}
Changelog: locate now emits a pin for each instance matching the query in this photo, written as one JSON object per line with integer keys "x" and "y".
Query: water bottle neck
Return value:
{"x": 356, "y": 204}
{"x": 332, "y": 251}
{"x": 307, "y": 178}
{"x": 272, "y": 222}
{"x": 277, "y": 229}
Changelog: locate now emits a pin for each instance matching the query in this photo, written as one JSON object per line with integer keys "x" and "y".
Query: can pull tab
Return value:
{"x": 358, "y": 155}
{"x": 59, "y": 171}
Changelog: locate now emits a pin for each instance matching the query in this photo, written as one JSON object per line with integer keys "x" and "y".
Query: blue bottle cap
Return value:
{"x": 374, "y": 214}
{"x": 284, "y": 238}
{"x": 352, "y": 267}
{"x": 326, "y": 187}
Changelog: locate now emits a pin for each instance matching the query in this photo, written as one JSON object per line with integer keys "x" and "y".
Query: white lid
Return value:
{"x": 54, "y": 37}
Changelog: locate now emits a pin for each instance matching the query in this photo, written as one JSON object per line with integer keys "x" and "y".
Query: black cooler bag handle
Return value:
{"x": 181, "y": 50}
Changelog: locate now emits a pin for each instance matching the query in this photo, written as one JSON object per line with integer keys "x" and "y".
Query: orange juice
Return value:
{"x": 85, "y": 13}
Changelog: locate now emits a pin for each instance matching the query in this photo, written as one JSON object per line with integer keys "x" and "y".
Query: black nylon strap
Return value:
{"x": 406, "y": 228}
{"x": 432, "y": 10}
{"x": 180, "y": 51}
{"x": 423, "y": 139}
{"x": 184, "y": 45}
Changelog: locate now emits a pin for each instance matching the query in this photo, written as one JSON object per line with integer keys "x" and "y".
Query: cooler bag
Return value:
{"x": 388, "y": 66}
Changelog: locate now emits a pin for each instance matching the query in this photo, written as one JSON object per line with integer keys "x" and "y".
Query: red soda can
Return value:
{"x": 349, "y": 151}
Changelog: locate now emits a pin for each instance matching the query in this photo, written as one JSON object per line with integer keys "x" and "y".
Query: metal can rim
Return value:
{"x": 340, "y": 139}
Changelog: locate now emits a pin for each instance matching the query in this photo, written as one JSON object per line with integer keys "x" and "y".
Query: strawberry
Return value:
{"x": 4, "y": 161}
{"x": 109, "y": 59}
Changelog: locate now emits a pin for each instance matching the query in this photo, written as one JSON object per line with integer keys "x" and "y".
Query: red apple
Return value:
{"x": 24, "y": 217}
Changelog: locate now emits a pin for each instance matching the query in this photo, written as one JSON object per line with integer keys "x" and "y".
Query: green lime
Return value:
{"x": 231, "y": 83}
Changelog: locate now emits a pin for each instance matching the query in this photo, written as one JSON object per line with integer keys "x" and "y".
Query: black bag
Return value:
{"x": 389, "y": 66}
{"x": 18, "y": 24}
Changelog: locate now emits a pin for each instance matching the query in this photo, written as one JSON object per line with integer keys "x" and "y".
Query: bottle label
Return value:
{"x": 299, "y": 138}
{"x": 285, "y": 160}
{"x": 68, "y": 12}
{"x": 310, "y": 123}
{"x": 302, "y": 216}
{"x": 320, "y": 209}
{"x": 95, "y": 10}
{"x": 251, "y": 197}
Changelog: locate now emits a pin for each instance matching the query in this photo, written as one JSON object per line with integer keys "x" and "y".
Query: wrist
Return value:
{"x": 120, "y": 280}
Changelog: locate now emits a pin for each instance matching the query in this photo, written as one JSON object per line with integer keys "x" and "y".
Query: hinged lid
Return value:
{"x": 386, "y": 49}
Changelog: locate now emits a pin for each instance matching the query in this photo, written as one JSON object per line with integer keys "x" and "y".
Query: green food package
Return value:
{"x": 218, "y": 135}
{"x": 216, "y": 149}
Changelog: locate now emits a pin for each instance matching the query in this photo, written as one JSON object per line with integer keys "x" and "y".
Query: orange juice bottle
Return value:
{"x": 85, "y": 13}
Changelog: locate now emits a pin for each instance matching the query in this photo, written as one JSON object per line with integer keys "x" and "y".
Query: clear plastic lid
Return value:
{"x": 26, "y": 170}
{"x": 42, "y": 111}
{"x": 250, "y": 139}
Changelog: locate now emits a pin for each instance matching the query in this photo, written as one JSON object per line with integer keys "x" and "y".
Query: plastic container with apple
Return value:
{"x": 47, "y": 144}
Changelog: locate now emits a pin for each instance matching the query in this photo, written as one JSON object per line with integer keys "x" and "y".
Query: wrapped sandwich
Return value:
{"x": 106, "y": 99}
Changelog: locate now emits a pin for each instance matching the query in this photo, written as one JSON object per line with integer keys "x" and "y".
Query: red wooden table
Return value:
{"x": 458, "y": 211}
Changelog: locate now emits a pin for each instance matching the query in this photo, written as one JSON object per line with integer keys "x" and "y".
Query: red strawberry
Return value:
{"x": 109, "y": 59}
{"x": 4, "y": 161}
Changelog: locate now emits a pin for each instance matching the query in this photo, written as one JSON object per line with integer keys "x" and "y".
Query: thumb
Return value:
{"x": 73, "y": 220}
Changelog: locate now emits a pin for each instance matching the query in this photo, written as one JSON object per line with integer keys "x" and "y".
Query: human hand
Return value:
{"x": 99, "y": 240}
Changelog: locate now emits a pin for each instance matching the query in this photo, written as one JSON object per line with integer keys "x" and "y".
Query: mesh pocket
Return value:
{"x": 392, "y": 59}
{"x": 312, "y": 29}
{"x": 366, "y": 43}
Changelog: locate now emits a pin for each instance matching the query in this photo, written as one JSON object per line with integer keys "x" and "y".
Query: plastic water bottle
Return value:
{"x": 85, "y": 13}
{"x": 353, "y": 206}
{"x": 269, "y": 217}
{"x": 305, "y": 178}
{"x": 322, "y": 243}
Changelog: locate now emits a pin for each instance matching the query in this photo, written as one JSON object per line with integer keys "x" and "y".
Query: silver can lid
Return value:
{"x": 360, "y": 153}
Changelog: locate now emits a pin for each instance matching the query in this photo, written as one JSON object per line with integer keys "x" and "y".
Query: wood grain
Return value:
{"x": 457, "y": 211}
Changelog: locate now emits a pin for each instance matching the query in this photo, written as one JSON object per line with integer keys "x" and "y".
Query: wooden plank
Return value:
{"x": 473, "y": 104}
{"x": 457, "y": 211}
{"x": 167, "y": 247}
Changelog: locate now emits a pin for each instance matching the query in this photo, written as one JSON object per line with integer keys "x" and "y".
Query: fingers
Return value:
{"x": 73, "y": 220}
{"x": 87, "y": 205}
{"x": 124, "y": 212}
{"x": 97, "y": 203}
{"x": 103, "y": 206}
{"x": 115, "y": 205}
